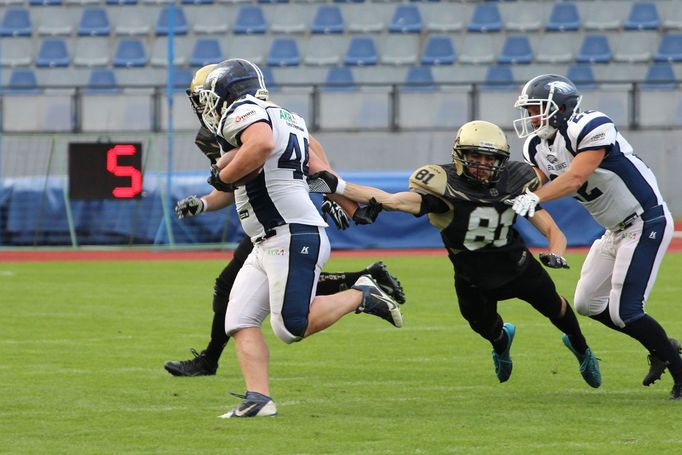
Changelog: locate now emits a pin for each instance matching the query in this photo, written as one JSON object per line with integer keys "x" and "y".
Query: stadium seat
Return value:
{"x": 130, "y": 52}
{"x": 102, "y": 80}
{"x": 92, "y": 52}
{"x": 180, "y": 23}
{"x": 439, "y": 19}
{"x": 287, "y": 18}
{"x": 16, "y": 52}
{"x": 635, "y": 46}
{"x": 499, "y": 77}
{"x": 406, "y": 19}
{"x": 140, "y": 23}
{"x": 328, "y": 19}
{"x": 367, "y": 18}
{"x": 660, "y": 75}
{"x": 399, "y": 49}
{"x": 324, "y": 49}
{"x": 339, "y": 79}
{"x": 182, "y": 77}
{"x": 54, "y": 21}
{"x": 594, "y": 49}
{"x": 273, "y": 1}
{"x": 485, "y": 18}
{"x": 250, "y": 47}
{"x": 269, "y": 79}
{"x": 673, "y": 18}
{"x": 121, "y": 2}
{"x": 361, "y": 51}
{"x": 419, "y": 79}
{"x": 563, "y": 17}
{"x": 438, "y": 50}
{"x": 45, "y": 2}
{"x": 522, "y": 17}
{"x": 250, "y": 20}
{"x": 23, "y": 80}
{"x": 16, "y": 22}
{"x": 94, "y": 22}
{"x": 603, "y": 15}
{"x": 582, "y": 76}
{"x": 516, "y": 50}
{"x": 557, "y": 48}
{"x": 182, "y": 51}
{"x": 284, "y": 52}
{"x": 205, "y": 52}
{"x": 53, "y": 53}
{"x": 209, "y": 19}
{"x": 478, "y": 48}
{"x": 643, "y": 16}
{"x": 670, "y": 49}
{"x": 197, "y": 2}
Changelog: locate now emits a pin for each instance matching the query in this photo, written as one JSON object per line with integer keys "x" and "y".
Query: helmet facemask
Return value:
{"x": 484, "y": 139}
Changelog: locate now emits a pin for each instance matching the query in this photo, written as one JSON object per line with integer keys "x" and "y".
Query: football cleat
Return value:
{"x": 676, "y": 392}
{"x": 657, "y": 366}
{"x": 388, "y": 283}
{"x": 198, "y": 366}
{"x": 377, "y": 302}
{"x": 503, "y": 362}
{"x": 254, "y": 404}
{"x": 589, "y": 364}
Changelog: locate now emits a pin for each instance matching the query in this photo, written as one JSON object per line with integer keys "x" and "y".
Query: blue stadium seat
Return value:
{"x": 53, "y": 53}
{"x": 643, "y": 16}
{"x": 582, "y": 76}
{"x": 130, "y": 53}
{"x": 419, "y": 79}
{"x": 339, "y": 79}
{"x": 594, "y": 49}
{"x": 328, "y": 19}
{"x": 499, "y": 77}
{"x": 438, "y": 50}
{"x": 406, "y": 19}
{"x": 94, "y": 22}
{"x": 180, "y": 24}
{"x": 564, "y": 17}
{"x": 670, "y": 49}
{"x": 516, "y": 50}
{"x": 102, "y": 80}
{"x": 361, "y": 51}
{"x": 16, "y": 22}
{"x": 23, "y": 80}
{"x": 660, "y": 75}
{"x": 269, "y": 79}
{"x": 182, "y": 77}
{"x": 250, "y": 20}
{"x": 206, "y": 51}
{"x": 284, "y": 52}
{"x": 485, "y": 18}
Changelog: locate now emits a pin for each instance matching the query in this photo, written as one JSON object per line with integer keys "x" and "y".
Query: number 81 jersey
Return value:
{"x": 279, "y": 194}
{"x": 477, "y": 229}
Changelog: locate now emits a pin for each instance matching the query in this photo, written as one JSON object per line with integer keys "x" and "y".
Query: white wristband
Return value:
{"x": 341, "y": 186}
{"x": 204, "y": 203}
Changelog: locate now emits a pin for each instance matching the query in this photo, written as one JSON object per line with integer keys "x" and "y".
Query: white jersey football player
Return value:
{"x": 583, "y": 155}
{"x": 268, "y": 175}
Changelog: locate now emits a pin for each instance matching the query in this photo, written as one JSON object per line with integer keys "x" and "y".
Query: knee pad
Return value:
{"x": 280, "y": 329}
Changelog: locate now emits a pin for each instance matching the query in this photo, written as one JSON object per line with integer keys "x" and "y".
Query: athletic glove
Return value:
{"x": 524, "y": 203}
{"x": 190, "y": 206}
{"x": 337, "y": 214}
{"x": 215, "y": 182}
{"x": 554, "y": 261}
{"x": 367, "y": 214}
{"x": 323, "y": 182}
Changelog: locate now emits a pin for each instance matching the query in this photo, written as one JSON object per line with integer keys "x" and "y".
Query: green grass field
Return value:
{"x": 83, "y": 345}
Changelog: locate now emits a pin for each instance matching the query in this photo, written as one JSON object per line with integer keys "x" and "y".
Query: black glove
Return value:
{"x": 367, "y": 214}
{"x": 337, "y": 214}
{"x": 323, "y": 182}
{"x": 554, "y": 261}
{"x": 215, "y": 182}
{"x": 190, "y": 206}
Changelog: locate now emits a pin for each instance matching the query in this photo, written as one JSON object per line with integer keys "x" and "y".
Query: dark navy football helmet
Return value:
{"x": 557, "y": 99}
{"x": 229, "y": 81}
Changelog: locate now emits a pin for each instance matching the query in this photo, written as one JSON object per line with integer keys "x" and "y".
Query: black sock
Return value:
{"x": 331, "y": 283}
{"x": 569, "y": 325}
{"x": 652, "y": 336}
{"x": 218, "y": 336}
{"x": 500, "y": 344}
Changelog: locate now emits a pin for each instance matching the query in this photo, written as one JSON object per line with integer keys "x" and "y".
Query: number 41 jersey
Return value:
{"x": 279, "y": 194}
{"x": 477, "y": 229}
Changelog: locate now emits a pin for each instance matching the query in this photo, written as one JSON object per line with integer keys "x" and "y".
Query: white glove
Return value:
{"x": 525, "y": 203}
{"x": 190, "y": 206}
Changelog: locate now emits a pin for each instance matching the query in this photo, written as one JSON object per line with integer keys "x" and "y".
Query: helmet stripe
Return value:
{"x": 261, "y": 79}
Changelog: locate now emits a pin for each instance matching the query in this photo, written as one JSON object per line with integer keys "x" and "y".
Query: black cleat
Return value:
{"x": 676, "y": 393}
{"x": 198, "y": 366}
{"x": 388, "y": 283}
{"x": 657, "y": 366}
{"x": 377, "y": 302}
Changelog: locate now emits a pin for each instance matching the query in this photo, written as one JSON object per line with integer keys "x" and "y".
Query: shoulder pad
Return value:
{"x": 430, "y": 179}
{"x": 242, "y": 114}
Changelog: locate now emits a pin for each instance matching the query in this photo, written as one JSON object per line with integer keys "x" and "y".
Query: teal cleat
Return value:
{"x": 589, "y": 364}
{"x": 503, "y": 362}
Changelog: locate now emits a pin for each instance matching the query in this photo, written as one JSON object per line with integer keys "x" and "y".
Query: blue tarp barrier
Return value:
{"x": 29, "y": 215}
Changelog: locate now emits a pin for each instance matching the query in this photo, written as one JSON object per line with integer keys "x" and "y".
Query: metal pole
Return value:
{"x": 170, "y": 87}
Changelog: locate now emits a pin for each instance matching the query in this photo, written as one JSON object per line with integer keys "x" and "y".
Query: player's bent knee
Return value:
{"x": 288, "y": 332}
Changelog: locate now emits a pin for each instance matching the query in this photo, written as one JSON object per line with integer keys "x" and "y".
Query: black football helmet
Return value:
{"x": 557, "y": 98}
{"x": 230, "y": 80}
{"x": 484, "y": 138}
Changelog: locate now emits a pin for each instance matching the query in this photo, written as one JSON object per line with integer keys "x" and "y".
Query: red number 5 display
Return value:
{"x": 115, "y": 168}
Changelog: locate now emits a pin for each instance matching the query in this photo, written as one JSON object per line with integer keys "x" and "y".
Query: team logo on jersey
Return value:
{"x": 239, "y": 118}
{"x": 595, "y": 138}
{"x": 652, "y": 235}
{"x": 552, "y": 159}
{"x": 305, "y": 250}
{"x": 494, "y": 192}
{"x": 276, "y": 252}
{"x": 560, "y": 87}
{"x": 243, "y": 214}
